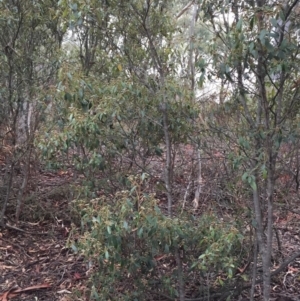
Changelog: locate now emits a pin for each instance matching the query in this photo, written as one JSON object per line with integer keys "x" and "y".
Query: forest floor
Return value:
{"x": 36, "y": 262}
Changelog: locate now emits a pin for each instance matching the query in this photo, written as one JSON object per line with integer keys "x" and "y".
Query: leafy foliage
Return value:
{"x": 126, "y": 244}
{"x": 113, "y": 90}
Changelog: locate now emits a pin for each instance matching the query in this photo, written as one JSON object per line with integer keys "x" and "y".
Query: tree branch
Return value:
{"x": 184, "y": 9}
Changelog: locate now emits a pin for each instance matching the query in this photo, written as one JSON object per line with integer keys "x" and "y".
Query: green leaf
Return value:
{"x": 251, "y": 181}
{"x": 274, "y": 22}
{"x": 194, "y": 265}
{"x": 253, "y": 186}
{"x": 95, "y": 294}
{"x": 245, "y": 176}
{"x": 74, "y": 6}
{"x": 140, "y": 232}
{"x": 158, "y": 151}
{"x": 251, "y": 46}
{"x": 80, "y": 93}
{"x": 132, "y": 189}
{"x": 74, "y": 248}
{"x": 96, "y": 219}
{"x": 230, "y": 273}
{"x": 262, "y": 36}
{"x": 239, "y": 25}
{"x": 281, "y": 15}
{"x": 68, "y": 96}
{"x": 252, "y": 23}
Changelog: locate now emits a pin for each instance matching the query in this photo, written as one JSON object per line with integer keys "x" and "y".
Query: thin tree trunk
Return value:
{"x": 168, "y": 167}
{"x": 199, "y": 181}
{"x": 23, "y": 186}
{"x": 258, "y": 219}
{"x": 254, "y": 271}
{"x": 8, "y": 190}
{"x": 187, "y": 191}
{"x": 191, "y": 68}
{"x": 268, "y": 249}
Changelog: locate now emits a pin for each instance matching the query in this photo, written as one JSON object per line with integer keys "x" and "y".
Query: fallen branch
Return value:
{"x": 14, "y": 292}
{"x": 21, "y": 230}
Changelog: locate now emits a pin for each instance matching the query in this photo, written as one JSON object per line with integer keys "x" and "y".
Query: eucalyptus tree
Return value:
{"x": 119, "y": 97}
{"x": 30, "y": 37}
{"x": 261, "y": 62}
{"x": 127, "y": 71}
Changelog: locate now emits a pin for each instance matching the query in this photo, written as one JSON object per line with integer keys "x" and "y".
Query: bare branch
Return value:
{"x": 184, "y": 9}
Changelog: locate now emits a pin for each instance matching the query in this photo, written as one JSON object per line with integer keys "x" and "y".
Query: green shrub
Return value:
{"x": 132, "y": 244}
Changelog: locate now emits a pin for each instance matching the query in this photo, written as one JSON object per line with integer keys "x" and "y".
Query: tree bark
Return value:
{"x": 168, "y": 166}
{"x": 10, "y": 175}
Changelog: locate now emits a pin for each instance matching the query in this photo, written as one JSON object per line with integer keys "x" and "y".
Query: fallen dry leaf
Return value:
{"x": 77, "y": 276}
{"x": 64, "y": 291}
{"x": 5, "y": 295}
